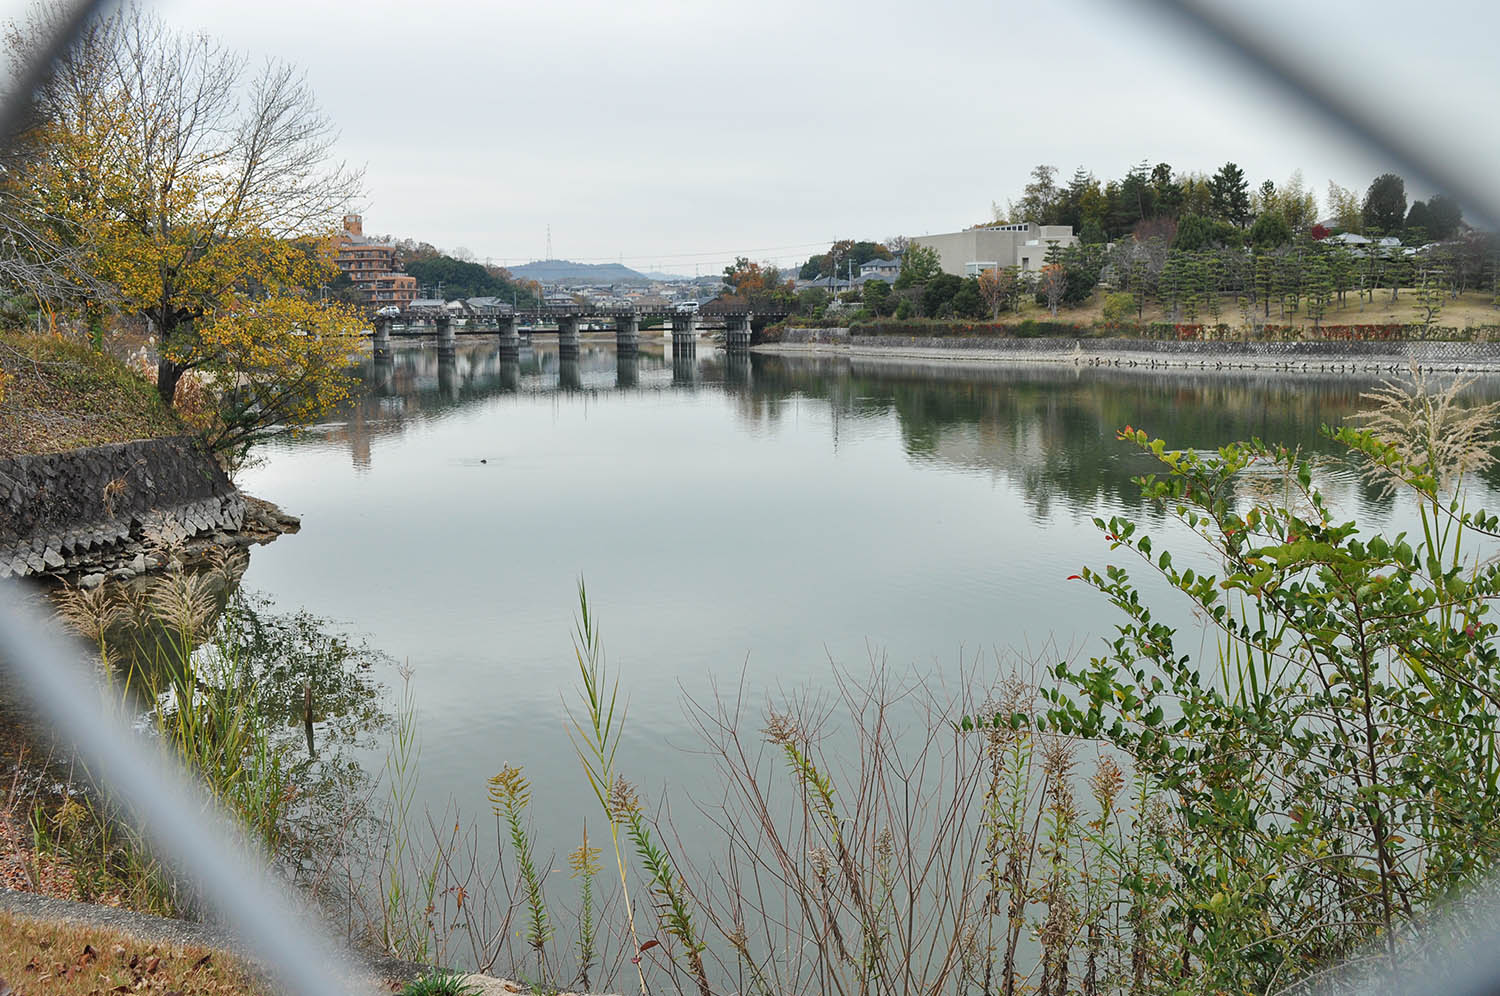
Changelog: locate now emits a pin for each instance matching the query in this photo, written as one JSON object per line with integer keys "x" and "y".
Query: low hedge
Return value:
{"x": 1028, "y": 329}
{"x": 1384, "y": 332}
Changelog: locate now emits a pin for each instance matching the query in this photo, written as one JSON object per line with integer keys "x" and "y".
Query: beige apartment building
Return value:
{"x": 973, "y": 250}
{"x": 372, "y": 267}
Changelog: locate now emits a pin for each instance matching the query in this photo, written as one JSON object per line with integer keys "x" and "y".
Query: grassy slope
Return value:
{"x": 60, "y": 395}
{"x": 1469, "y": 310}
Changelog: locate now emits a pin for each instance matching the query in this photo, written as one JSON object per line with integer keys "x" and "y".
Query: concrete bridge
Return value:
{"x": 504, "y": 320}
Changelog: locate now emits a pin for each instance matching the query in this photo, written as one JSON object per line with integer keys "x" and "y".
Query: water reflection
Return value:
{"x": 509, "y": 380}
{"x": 196, "y": 636}
{"x": 1049, "y": 430}
{"x": 448, "y": 375}
{"x": 416, "y": 382}
{"x": 737, "y": 370}
{"x": 740, "y": 521}
{"x": 627, "y": 371}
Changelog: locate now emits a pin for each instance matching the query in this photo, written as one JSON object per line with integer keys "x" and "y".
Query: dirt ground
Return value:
{"x": 67, "y": 959}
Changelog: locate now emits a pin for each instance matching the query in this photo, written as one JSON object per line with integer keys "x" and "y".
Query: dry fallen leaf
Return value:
{"x": 152, "y": 964}
{"x": 89, "y": 954}
{"x": 202, "y": 962}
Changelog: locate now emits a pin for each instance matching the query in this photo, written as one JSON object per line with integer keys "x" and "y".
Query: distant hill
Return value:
{"x": 456, "y": 278}
{"x": 667, "y": 278}
{"x": 552, "y": 271}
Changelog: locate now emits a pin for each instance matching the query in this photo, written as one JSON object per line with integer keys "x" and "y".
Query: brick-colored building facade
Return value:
{"x": 372, "y": 267}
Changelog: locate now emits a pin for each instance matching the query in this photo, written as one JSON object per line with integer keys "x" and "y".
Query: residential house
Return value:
{"x": 1360, "y": 245}
{"x": 880, "y": 269}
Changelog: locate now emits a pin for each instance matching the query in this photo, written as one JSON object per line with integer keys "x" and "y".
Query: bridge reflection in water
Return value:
{"x": 408, "y": 382}
{"x": 1049, "y": 430}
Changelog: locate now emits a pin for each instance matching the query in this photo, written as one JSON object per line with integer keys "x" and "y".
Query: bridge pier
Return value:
{"x": 627, "y": 335}
{"x": 510, "y": 375}
{"x": 447, "y": 341}
{"x": 382, "y": 337}
{"x": 385, "y": 372}
{"x": 567, "y": 336}
{"x": 737, "y": 333}
{"x": 627, "y": 369}
{"x": 448, "y": 383}
{"x": 510, "y": 340}
{"x": 684, "y": 335}
{"x": 569, "y": 378}
{"x": 737, "y": 368}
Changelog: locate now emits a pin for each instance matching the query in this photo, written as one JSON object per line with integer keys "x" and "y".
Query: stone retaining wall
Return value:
{"x": 61, "y": 513}
{"x": 815, "y": 336}
{"x": 1420, "y": 352}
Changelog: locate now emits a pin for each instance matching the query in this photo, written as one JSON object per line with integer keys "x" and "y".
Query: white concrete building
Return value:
{"x": 973, "y": 250}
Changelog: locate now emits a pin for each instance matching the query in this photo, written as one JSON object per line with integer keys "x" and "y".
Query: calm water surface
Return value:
{"x": 748, "y": 519}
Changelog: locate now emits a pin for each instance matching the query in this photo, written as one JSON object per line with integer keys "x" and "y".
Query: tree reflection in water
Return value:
{"x": 314, "y": 689}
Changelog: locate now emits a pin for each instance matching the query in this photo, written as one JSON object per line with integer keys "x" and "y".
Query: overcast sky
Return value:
{"x": 676, "y": 134}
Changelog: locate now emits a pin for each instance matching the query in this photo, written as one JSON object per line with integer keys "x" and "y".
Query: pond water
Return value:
{"x": 755, "y": 520}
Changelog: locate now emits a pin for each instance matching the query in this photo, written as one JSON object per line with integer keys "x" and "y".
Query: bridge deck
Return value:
{"x": 577, "y": 311}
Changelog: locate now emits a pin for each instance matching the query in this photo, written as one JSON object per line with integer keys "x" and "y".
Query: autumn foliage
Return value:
{"x": 202, "y": 195}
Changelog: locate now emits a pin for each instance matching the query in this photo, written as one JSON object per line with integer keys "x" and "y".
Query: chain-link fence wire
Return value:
{"x": 192, "y": 833}
{"x": 184, "y": 826}
{"x": 1338, "y": 103}
{"x": 201, "y": 840}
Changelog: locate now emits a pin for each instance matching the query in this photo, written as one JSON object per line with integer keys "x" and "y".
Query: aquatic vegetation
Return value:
{"x": 232, "y": 691}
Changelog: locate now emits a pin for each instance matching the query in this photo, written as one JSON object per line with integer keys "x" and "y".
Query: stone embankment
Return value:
{"x": 1291, "y": 355}
{"x": 112, "y": 512}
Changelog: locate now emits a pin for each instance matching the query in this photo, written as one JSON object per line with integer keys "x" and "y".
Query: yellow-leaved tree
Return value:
{"x": 206, "y": 197}
{"x": 274, "y": 362}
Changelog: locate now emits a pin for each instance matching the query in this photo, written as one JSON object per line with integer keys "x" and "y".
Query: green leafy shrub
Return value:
{"x": 1119, "y": 309}
{"x": 1329, "y": 772}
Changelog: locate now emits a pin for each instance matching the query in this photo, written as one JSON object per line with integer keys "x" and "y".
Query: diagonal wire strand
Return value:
{"x": 1302, "y": 86}
{"x": 182, "y": 822}
{"x": 29, "y": 79}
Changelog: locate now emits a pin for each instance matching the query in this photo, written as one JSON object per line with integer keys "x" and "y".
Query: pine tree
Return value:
{"x": 1211, "y": 269}
{"x": 1319, "y": 285}
{"x": 1265, "y": 280}
{"x": 1341, "y": 271}
{"x": 1430, "y": 293}
{"x": 1139, "y": 285}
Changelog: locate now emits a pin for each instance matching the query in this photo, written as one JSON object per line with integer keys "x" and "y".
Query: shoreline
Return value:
{"x": 1293, "y": 357}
